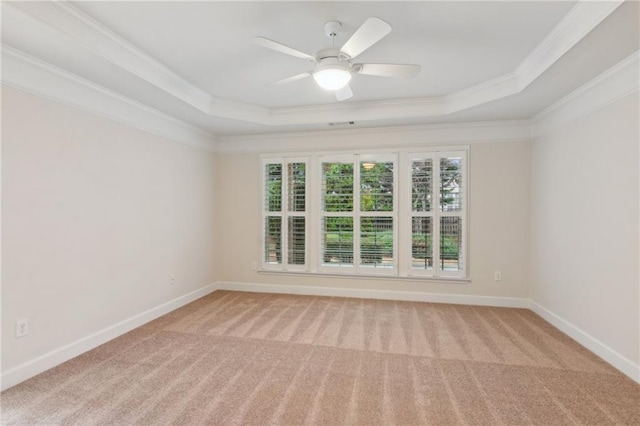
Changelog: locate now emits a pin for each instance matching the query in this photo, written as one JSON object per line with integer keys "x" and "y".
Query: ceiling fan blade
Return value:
{"x": 344, "y": 93}
{"x": 372, "y": 31}
{"x": 279, "y": 47}
{"x": 388, "y": 70}
{"x": 290, "y": 79}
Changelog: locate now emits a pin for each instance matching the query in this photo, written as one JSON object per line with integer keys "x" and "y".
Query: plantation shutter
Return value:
{"x": 296, "y": 213}
{"x": 272, "y": 213}
{"x": 337, "y": 227}
{"x": 452, "y": 212}
{"x": 377, "y": 213}
{"x": 285, "y": 214}
{"x": 358, "y": 213}
{"x": 353, "y": 223}
{"x": 438, "y": 213}
{"x": 422, "y": 214}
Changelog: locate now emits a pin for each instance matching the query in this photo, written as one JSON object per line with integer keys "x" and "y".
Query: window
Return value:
{"x": 284, "y": 214}
{"x": 394, "y": 214}
{"x": 438, "y": 213}
{"x": 358, "y": 213}
{"x": 337, "y": 214}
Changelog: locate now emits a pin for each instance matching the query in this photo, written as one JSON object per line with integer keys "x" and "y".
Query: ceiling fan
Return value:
{"x": 334, "y": 67}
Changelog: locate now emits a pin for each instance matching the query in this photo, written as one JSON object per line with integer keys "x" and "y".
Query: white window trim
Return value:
{"x": 436, "y": 214}
{"x": 462, "y": 214}
{"x": 284, "y": 215}
{"x": 401, "y": 214}
{"x": 357, "y": 268}
{"x": 322, "y": 267}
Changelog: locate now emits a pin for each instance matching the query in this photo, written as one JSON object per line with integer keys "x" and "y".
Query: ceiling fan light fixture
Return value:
{"x": 334, "y": 67}
{"x": 332, "y": 77}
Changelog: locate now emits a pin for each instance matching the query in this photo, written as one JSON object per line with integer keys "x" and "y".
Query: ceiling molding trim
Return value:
{"x": 616, "y": 83}
{"x": 32, "y": 75}
{"x": 379, "y": 138}
{"x": 85, "y": 30}
{"x": 359, "y": 111}
{"x": 581, "y": 19}
{"x": 482, "y": 93}
{"x": 88, "y": 32}
{"x": 63, "y": 16}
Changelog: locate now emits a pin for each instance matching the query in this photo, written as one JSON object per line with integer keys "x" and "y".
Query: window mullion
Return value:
{"x": 284, "y": 243}
{"x": 402, "y": 187}
{"x": 356, "y": 213}
{"x": 435, "y": 208}
{"x": 314, "y": 181}
{"x": 396, "y": 215}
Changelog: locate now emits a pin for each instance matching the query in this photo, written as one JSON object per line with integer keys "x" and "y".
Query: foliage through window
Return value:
{"x": 397, "y": 214}
{"x": 440, "y": 175}
{"x": 285, "y": 223}
{"x": 357, "y": 196}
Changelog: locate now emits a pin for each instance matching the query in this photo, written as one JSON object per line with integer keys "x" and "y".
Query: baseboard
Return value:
{"x": 625, "y": 365}
{"x": 459, "y": 299}
{"x": 618, "y": 361}
{"x": 49, "y": 360}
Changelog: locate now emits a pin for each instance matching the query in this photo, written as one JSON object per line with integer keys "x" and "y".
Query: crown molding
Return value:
{"x": 615, "y": 83}
{"x": 29, "y": 74}
{"x": 581, "y": 19}
{"x": 88, "y": 32}
{"x": 379, "y": 138}
{"x": 35, "y": 76}
{"x": 68, "y": 19}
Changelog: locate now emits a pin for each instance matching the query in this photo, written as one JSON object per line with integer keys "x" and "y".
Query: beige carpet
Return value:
{"x": 245, "y": 358}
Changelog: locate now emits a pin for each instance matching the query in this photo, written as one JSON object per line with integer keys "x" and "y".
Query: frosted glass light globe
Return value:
{"x": 332, "y": 78}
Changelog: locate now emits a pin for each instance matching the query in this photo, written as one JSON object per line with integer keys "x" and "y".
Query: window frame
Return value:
{"x": 436, "y": 214}
{"x": 357, "y": 214}
{"x": 401, "y": 214}
{"x": 284, "y": 215}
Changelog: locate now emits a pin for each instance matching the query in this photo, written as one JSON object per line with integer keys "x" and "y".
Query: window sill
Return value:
{"x": 452, "y": 280}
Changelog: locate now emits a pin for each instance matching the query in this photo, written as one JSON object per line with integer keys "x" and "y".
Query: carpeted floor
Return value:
{"x": 244, "y": 358}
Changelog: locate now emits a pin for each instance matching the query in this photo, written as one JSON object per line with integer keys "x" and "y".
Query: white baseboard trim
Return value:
{"x": 625, "y": 365}
{"x": 49, "y": 360}
{"x": 460, "y": 299}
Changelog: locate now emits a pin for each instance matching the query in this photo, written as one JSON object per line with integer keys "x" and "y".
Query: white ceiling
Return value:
{"x": 457, "y": 44}
{"x": 195, "y": 60}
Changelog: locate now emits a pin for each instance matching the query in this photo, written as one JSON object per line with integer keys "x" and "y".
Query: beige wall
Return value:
{"x": 499, "y": 224}
{"x": 96, "y": 216}
{"x": 584, "y": 264}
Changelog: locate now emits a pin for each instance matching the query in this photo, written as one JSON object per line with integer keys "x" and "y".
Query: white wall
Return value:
{"x": 584, "y": 265}
{"x": 499, "y": 222}
{"x": 96, "y": 216}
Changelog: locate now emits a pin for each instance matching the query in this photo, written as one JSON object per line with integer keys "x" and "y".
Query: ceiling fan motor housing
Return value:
{"x": 332, "y": 29}
{"x": 332, "y": 63}
{"x": 326, "y": 55}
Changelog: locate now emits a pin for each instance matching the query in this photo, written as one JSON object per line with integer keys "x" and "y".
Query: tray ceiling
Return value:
{"x": 194, "y": 61}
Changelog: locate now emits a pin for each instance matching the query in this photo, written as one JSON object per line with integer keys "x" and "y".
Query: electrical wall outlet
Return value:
{"x": 22, "y": 327}
{"x": 497, "y": 275}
